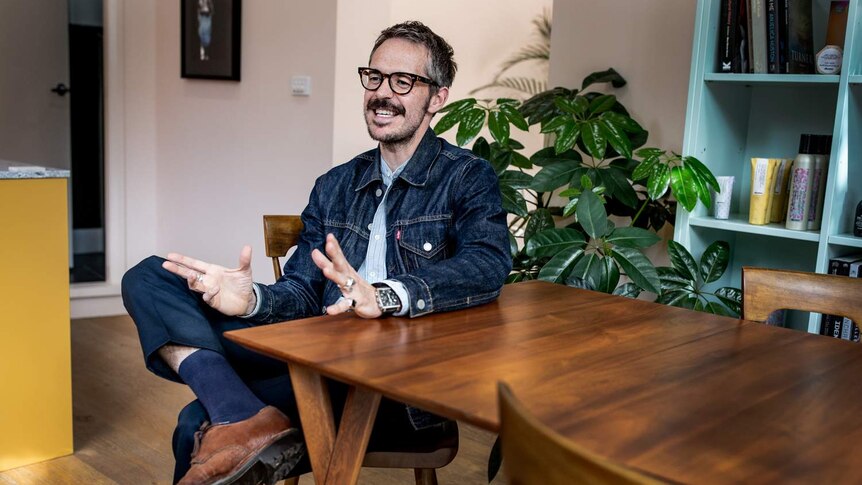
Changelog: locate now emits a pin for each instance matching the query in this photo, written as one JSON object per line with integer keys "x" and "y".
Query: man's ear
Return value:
{"x": 438, "y": 100}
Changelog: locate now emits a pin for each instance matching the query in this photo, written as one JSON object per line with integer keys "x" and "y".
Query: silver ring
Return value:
{"x": 199, "y": 278}
{"x": 348, "y": 285}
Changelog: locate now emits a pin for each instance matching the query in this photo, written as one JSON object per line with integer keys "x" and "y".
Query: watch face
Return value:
{"x": 388, "y": 298}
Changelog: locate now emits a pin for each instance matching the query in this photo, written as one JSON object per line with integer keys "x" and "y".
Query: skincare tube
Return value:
{"x": 762, "y": 173}
{"x": 722, "y": 198}
{"x": 800, "y": 191}
{"x": 778, "y": 207}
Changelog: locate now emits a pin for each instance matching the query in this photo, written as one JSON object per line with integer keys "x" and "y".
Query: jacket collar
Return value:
{"x": 415, "y": 173}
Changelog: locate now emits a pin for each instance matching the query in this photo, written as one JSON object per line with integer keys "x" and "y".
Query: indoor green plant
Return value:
{"x": 560, "y": 197}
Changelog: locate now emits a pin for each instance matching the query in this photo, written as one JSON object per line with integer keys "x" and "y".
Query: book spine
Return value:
{"x": 783, "y": 15}
{"x": 852, "y": 329}
{"x": 800, "y": 45}
{"x": 741, "y": 56}
{"x": 725, "y": 38}
{"x": 772, "y": 36}
{"x": 759, "y": 48}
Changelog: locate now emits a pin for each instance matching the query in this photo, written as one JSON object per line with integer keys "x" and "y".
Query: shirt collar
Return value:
{"x": 415, "y": 173}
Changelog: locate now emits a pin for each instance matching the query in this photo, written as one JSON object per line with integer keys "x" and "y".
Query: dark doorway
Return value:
{"x": 87, "y": 146}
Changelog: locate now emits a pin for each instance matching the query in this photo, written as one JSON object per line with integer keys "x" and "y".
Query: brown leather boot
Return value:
{"x": 224, "y": 452}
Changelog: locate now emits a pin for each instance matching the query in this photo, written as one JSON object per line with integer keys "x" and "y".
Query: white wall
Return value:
{"x": 483, "y": 34}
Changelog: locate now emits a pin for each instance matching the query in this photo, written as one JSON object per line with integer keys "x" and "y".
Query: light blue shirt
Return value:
{"x": 373, "y": 269}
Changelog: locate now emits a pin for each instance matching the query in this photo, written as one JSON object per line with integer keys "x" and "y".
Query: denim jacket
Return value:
{"x": 447, "y": 238}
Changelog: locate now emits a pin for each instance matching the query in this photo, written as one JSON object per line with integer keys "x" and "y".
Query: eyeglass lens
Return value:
{"x": 399, "y": 83}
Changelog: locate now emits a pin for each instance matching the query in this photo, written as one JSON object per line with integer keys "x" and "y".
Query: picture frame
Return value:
{"x": 210, "y": 39}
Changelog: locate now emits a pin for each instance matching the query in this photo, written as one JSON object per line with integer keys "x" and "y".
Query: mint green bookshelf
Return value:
{"x": 731, "y": 118}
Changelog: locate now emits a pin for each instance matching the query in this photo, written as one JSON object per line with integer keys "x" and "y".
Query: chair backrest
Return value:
{"x": 533, "y": 453}
{"x": 280, "y": 233}
{"x": 766, "y": 290}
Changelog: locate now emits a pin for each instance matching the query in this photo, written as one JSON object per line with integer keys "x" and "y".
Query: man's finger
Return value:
{"x": 245, "y": 257}
{"x": 333, "y": 250}
{"x": 320, "y": 260}
{"x": 341, "y": 306}
{"x": 179, "y": 270}
{"x": 188, "y": 262}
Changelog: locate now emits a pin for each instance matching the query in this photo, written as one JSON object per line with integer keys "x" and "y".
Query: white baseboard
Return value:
{"x": 90, "y": 300}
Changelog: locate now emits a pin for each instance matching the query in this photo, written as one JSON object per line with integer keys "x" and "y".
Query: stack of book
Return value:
{"x": 766, "y": 36}
{"x": 836, "y": 325}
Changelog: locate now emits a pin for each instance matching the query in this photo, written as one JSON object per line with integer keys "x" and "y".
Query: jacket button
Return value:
{"x": 427, "y": 246}
{"x": 420, "y": 304}
{"x": 378, "y": 192}
{"x": 370, "y": 226}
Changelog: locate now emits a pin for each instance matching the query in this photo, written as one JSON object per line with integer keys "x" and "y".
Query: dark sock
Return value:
{"x": 224, "y": 395}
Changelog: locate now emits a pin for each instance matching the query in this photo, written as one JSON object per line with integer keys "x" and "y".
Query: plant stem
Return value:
{"x": 643, "y": 206}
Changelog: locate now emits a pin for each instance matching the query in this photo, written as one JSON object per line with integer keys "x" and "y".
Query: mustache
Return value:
{"x": 380, "y": 103}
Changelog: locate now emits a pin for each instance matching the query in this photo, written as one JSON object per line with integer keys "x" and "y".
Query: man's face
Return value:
{"x": 394, "y": 118}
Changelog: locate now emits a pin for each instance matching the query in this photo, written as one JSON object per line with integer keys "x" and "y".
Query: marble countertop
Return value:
{"x": 20, "y": 170}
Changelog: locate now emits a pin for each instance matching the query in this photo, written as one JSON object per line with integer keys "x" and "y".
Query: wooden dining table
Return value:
{"x": 684, "y": 395}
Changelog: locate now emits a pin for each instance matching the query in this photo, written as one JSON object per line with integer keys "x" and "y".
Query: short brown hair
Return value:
{"x": 441, "y": 63}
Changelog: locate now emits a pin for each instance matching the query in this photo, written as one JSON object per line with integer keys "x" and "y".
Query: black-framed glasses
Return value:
{"x": 399, "y": 82}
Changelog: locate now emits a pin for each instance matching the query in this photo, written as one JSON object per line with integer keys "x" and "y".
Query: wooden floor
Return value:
{"x": 124, "y": 417}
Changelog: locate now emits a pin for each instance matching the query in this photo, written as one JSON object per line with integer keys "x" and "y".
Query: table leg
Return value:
{"x": 335, "y": 459}
{"x": 318, "y": 423}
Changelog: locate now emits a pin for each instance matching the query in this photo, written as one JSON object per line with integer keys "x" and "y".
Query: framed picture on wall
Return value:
{"x": 210, "y": 39}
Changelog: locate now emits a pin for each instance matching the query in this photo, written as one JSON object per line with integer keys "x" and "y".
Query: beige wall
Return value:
{"x": 483, "y": 34}
{"x": 649, "y": 43}
{"x": 205, "y": 159}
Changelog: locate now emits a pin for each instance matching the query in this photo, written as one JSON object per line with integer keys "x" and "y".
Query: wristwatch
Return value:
{"x": 387, "y": 299}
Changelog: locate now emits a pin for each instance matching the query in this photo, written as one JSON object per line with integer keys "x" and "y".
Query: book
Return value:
{"x": 783, "y": 7}
{"x": 840, "y": 265}
{"x": 799, "y": 53}
{"x": 757, "y": 31}
{"x": 849, "y": 330}
{"x": 836, "y": 27}
{"x": 772, "y": 44}
{"x": 727, "y": 37}
{"x": 741, "y": 50}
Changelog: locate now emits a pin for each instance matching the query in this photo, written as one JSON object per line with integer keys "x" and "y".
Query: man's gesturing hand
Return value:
{"x": 227, "y": 290}
{"x": 359, "y": 296}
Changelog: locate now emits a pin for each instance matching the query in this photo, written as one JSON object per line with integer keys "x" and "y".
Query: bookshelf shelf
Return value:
{"x": 772, "y": 79}
{"x": 846, "y": 240}
{"x": 739, "y": 223}
{"x": 733, "y": 117}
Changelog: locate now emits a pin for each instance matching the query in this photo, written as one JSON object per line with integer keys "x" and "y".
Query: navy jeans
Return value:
{"x": 166, "y": 311}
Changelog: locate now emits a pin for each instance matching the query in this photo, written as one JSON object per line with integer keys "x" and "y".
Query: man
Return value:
{"x": 412, "y": 227}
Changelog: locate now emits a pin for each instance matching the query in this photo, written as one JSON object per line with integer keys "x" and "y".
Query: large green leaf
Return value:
{"x": 637, "y": 267}
{"x": 649, "y": 152}
{"x": 558, "y": 268}
{"x": 702, "y": 171}
{"x": 448, "y": 121}
{"x": 521, "y": 161}
{"x": 732, "y": 297}
{"x": 460, "y": 105}
{"x": 645, "y": 168}
{"x": 671, "y": 280}
{"x": 617, "y": 185}
{"x": 514, "y": 116}
{"x": 713, "y": 261}
{"x": 701, "y": 188}
{"x": 684, "y": 187}
{"x": 556, "y": 123}
{"x": 498, "y": 125}
{"x": 610, "y": 276}
{"x": 565, "y": 105}
{"x": 471, "y": 123}
{"x": 602, "y": 103}
{"x": 658, "y": 182}
{"x": 682, "y": 299}
{"x": 682, "y": 260}
{"x": 589, "y": 268}
{"x": 567, "y": 136}
{"x": 608, "y": 76}
{"x": 719, "y": 309}
{"x": 591, "y": 215}
{"x": 513, "y": 201}
{"x": 594, "y": 139}
{"x": 513, "y": 245}
{"x": 632, "y": 237}
{"x": 540, "y": 220}
{"x": 548, "y": 155}
{"x": 481, "y": 149}
{"x": 628, "y": 290}
{"x": 616, "y": 137}
{"x": 516, "y": 179}
{"x": 549, "y": 242}
{"x": 552, "y": 177}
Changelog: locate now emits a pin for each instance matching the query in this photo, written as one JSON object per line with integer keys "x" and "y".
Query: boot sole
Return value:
{"x": 277, "y": 459}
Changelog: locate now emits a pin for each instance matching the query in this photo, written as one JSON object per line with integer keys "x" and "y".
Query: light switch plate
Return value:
{"x": 300, "y": 85}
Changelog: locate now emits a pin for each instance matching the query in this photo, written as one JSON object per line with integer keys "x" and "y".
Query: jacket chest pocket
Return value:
{"x": 422, "y": 243}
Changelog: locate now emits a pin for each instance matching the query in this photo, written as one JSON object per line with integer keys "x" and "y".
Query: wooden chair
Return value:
{"x": 280, "y": 233}
{"x": 766, "y": 290}
{"x": 535, "y": 454}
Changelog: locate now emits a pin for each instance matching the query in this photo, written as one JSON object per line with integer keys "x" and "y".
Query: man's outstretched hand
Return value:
{"x": 360, "y": 297}
{"x": 227, "y": 290}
